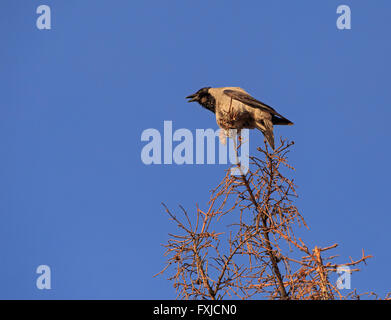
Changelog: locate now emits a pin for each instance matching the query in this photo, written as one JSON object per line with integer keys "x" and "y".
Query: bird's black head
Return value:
{"x": 204, "y": 98}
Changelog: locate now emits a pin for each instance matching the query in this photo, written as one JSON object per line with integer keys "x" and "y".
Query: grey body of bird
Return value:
{"x": 237, "y": 109}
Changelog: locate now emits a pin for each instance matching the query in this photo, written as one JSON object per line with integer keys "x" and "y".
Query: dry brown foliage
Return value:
{"x": 257, "y": 255}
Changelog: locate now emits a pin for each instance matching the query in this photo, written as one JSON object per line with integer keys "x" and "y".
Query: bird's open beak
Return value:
{"x": 192, "y": 97}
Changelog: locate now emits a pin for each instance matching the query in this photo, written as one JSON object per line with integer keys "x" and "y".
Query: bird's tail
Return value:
{"x": 267, "y": 129}
{"x": 281, "y": 121}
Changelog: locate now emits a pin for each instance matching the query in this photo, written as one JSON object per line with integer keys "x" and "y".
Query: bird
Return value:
{"x": 237, "y": 109}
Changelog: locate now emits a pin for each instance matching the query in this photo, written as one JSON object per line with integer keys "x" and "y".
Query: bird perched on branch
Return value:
{"x": 236, "y": 109}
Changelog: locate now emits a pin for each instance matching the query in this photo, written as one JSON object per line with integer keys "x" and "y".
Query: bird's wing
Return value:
{"x": 248, "y": 100}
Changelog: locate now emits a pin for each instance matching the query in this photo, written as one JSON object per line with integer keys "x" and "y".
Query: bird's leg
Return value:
{"x": 222, "y": 136}
{"x": 240, "y": 138}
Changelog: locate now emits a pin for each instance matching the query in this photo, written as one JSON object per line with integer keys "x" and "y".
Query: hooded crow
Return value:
{"x": 236, "y": 109}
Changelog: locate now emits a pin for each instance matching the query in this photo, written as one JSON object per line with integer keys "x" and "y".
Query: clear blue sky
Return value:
{"x": 75, "y": 99}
